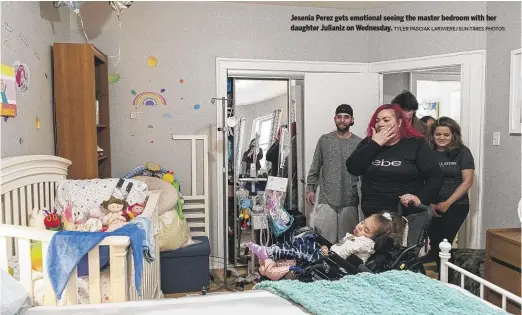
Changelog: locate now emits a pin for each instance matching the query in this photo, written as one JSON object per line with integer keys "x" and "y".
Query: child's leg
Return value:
{"x": 304, "y": 249}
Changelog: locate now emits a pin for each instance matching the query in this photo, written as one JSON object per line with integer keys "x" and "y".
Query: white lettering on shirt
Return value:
{"x": 385, "y": 163}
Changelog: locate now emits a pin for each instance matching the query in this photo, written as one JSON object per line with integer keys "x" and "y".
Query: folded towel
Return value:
{"x": 148, "y": 242}
{"x": 67, "y": 248}
{"x": 390, "y": 293}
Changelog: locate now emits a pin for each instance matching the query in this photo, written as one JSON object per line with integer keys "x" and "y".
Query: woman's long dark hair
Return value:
{"x": 456, "y": 142}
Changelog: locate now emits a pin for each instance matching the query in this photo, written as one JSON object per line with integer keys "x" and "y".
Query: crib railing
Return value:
{"x": 121, "y": 277}
{"x": 24, "y": 235}
{"x": 445, "y": 248}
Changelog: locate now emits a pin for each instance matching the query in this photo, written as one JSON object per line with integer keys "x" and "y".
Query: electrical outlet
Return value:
{"x": 496, "y": 138}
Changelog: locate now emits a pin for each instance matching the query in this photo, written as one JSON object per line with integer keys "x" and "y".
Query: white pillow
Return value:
{"x": 169, "y": 197}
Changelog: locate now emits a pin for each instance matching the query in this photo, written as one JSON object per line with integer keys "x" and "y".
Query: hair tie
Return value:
{"x": 387, "y": 215}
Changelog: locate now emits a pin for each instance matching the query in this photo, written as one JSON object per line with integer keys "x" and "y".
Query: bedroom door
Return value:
{"x": 323, "y": 92}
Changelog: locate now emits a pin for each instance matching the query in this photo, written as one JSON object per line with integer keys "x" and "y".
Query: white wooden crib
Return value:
{"x": 31, "y": 181}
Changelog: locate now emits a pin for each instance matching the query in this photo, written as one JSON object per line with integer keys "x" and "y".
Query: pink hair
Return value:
{"x": 405, "y": 130}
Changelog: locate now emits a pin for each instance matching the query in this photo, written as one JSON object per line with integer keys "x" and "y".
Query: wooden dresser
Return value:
{"x": 502, "y": 265}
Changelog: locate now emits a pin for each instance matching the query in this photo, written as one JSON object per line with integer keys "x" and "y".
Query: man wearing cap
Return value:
{"x": 336, "y": 212}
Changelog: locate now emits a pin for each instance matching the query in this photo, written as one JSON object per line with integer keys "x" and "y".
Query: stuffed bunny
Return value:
{"x": 94, "y": 223}
{"x": 37, "y": 219}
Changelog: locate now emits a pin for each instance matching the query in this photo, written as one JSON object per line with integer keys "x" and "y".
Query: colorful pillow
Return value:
{"x": 169, "y": 196}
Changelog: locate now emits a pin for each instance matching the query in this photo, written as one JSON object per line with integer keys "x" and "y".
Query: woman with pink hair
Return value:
{"x": 396, "y": 165}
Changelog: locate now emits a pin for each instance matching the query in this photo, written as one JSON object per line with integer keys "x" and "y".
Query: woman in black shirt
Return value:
{"x": 452, "y": 203}
{"x": 395, "y": 164}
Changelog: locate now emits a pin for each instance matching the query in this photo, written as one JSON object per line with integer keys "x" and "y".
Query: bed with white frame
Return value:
{"x": 257, "y": 301}
{"x": 31, "y": 181}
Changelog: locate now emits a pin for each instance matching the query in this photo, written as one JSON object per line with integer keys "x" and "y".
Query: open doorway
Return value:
{"x": 265, "y": 119}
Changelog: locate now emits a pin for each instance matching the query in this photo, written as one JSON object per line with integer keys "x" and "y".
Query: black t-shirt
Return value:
{"x": 452, "y": 167}
{"x": 391, "y": 171}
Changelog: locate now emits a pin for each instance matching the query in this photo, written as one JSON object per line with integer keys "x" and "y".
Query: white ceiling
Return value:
{"x": 345, "y": 5}
{"x": 248, "y": 92}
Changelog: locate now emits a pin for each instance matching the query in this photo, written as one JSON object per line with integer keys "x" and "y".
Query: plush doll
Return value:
{"x": 79, "y": 219}
{"x": 52, "y": 220}
{"x": 137, "y": 208}
{"x": 37, "y": 219}
{"x": 68, "y": 218}
{"x": 169, "y": 177}
{"x": 94, "y": 223}
{"x": 113, "y": 209}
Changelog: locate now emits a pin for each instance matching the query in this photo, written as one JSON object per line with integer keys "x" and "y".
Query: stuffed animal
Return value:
{"x": 79, "y": 219}
{"x": 52, "y": 220}
{"x": 137, "y": 209}
{"x": 37, "y": 219}
{"x": 94, "y": 223}
{"x": 113, "y": 209}
{"x": 68, "y": 218}
{"x": 169, "y": 177}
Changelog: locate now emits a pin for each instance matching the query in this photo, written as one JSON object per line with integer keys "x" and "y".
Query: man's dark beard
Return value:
{"x": 342, "y": 129}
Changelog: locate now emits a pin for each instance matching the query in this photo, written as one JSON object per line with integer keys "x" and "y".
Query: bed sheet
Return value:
{"x": 258, "y": 302}
{"x": 254, "y": 302}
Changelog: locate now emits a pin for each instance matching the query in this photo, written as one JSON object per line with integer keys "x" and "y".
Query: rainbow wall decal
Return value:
{"x": 149, "y": 99}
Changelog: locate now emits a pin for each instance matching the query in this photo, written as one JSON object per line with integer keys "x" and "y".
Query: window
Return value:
{"x": 262, "y": 125}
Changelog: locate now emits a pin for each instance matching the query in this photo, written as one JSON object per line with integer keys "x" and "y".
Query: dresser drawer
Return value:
{"x": 503, "y": 276}
{"x": 503, "y": 250}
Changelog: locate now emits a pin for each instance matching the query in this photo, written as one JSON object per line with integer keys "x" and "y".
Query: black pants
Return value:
{"x": 446, "y": 227}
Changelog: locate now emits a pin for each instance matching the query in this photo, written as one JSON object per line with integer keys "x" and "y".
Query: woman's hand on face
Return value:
{"x": 384, "y": 135}
{"x": 407, "y": 198}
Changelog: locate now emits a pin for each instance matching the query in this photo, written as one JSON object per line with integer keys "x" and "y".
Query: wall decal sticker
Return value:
{"x": 149, "y": 99}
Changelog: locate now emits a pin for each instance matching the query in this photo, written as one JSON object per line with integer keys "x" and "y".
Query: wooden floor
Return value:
{"x": 217, "y": 285}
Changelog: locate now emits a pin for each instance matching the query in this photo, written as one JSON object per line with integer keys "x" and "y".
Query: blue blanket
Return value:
{"x": 148, "y": 241}
{"x": 67, "y": 248}
{"x": 390, "y": 293}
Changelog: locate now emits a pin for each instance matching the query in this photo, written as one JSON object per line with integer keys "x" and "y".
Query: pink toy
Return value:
{"x": 137, "y": 209}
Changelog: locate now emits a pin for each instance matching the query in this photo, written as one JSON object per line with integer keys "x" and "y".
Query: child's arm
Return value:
{"x": 357, "y": 246}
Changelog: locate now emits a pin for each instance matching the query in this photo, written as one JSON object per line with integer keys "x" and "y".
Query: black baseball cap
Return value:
{"x": 344, "y": 109}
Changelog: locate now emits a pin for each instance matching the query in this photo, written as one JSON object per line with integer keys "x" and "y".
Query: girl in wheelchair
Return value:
{"x": 309, "y": 249}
